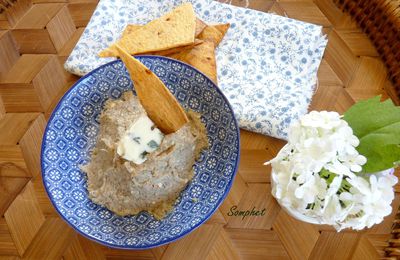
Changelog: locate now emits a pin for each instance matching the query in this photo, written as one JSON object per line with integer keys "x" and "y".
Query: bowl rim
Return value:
{"x": 104, "y": 243}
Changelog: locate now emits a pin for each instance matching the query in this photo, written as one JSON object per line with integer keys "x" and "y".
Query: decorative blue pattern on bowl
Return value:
{"x": 71, "y": 134}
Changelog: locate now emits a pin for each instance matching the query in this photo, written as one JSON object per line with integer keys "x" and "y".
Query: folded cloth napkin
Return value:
{"x": 267, "y": 64}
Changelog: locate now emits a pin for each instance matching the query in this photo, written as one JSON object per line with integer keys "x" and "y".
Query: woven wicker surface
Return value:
{"x": 5, "y": 4}
{"x": 380, "y": 19}
{"x": 36, "y": 36}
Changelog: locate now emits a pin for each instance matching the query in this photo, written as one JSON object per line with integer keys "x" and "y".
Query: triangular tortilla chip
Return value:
{"x": 202, "y": 57}
{"x": 174, "y": 29}
{"x": 175, "y": 50}
{"x": 223, "y": 28}
{"x": 161, "y": 106}
{"x": 200, "y": 25}
{"x": 130, "y": 28}
{"x": 214, "y": 33}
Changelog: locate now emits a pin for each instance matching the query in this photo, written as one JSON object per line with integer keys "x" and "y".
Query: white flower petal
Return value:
{"x": 322, "y": 140}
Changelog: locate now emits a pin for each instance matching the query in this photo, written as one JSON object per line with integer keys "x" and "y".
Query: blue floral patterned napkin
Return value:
{"x": 267, "y": 64}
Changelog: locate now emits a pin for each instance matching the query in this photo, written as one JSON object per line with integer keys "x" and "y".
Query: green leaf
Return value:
{"x": 327, "y": 175}
{"x": 377, "y": 125}
{"x": 384, "y": 158}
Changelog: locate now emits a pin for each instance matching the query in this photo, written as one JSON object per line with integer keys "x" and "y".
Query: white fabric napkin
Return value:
{"x": 267, "y": 64}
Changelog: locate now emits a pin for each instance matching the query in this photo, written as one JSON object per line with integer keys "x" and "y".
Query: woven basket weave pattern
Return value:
{"x": 4, "y": 4}
{"x": 380, "y": 19}
{"x": 37, "y": 36}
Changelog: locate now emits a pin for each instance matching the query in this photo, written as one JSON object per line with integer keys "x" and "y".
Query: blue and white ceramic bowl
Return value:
{"x": 71, "y": 134}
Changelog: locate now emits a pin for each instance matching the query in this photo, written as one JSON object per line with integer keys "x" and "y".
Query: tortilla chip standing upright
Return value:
{"x": 161, "y": 106}
{"x": 174, "y": 29}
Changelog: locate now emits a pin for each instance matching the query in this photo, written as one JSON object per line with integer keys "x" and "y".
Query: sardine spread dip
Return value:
{"x": 125, "y": 187}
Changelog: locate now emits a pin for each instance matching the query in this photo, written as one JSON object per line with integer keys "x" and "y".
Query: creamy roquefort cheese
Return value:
{"x": 141, "y": 138}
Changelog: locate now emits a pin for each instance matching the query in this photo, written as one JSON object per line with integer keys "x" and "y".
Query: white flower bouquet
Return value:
{"x": 338, "y": 170}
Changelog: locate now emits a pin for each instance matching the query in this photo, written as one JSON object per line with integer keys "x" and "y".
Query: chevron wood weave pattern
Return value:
{"x": 36, "y": 36}
{"x": 380, "y": 19}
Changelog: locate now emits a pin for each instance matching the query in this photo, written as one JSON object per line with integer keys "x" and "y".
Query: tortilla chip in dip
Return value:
{"x": 161, "y": 106}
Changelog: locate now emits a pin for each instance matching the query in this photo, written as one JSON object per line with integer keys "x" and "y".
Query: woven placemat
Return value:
{"x": 380, "y": 20}
{"x": 5, "y": 4}
{"x": 35, "y": 39}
